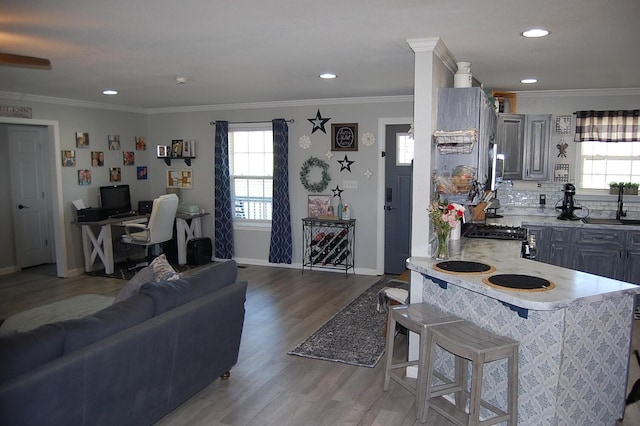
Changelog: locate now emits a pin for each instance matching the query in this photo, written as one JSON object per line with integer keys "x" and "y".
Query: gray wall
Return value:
{"x": 252, "y": 245}
{"x": 161, "y": 126}
{"x": 562, "y": 102}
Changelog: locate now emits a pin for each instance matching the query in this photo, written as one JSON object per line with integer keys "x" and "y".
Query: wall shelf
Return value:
{"x": 167, "y": 160}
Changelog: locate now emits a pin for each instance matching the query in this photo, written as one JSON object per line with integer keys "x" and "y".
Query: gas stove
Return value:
{"x": 494, "y": 231}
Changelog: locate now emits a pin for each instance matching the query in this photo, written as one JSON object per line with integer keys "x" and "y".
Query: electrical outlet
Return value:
{"x": 543, "y": 199}
{"x": 350, "y": 184}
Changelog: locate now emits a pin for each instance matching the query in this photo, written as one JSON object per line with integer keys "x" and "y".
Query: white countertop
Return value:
{"x": 571, "y": 287}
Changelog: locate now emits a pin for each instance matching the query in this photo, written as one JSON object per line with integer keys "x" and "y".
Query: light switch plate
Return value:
{"x": 350, "y": 184}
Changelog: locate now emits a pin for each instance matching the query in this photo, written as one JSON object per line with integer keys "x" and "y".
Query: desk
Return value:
{"x": 186, "y": 231}
{"x": 101, "y": 245}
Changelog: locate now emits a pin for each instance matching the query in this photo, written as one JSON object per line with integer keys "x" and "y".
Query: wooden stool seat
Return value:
{"x": 416, "y": 317}
{"x": 468, "y": 342}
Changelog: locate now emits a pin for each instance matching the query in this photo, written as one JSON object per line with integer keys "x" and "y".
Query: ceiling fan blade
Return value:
{"x": 21, "y": 61}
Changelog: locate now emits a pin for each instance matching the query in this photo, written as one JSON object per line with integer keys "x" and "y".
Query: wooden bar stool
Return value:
{"x": 468, "y": 342}
{"x": 416, "y": 317}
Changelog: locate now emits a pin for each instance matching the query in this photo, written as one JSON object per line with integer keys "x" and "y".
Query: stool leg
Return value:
{"x": 461, "y": 367}
{"x": 391, "y": 327}
{"x": 512, "y": 386}
{"x": 476, "y": 390}
{"x": 423, "y": 366}
{"x": 426, "y": 392}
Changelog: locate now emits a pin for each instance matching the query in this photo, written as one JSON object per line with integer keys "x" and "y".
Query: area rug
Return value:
{"x": 355, "y": 335}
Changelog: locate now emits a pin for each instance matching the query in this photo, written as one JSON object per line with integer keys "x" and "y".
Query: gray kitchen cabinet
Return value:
{"x": 524, "y": 140}
{"x": 464, "y": 109}
{"x": 510, "y": 139}
{"x": 537, "y": 136}
{"x": 543, "y": 245}
{"x": 632, "y": 258}
{"x": 611, "y": 252}
{"x": 561, "y": 246}
{"x": 600, "y": 252}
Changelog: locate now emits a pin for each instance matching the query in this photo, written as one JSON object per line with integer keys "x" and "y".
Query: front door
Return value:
{"x": 397, "y": 198}
{"x": 30, "y": 195}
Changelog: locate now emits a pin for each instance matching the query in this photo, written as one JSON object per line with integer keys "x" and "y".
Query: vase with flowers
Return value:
{"x": 444, "y": 216}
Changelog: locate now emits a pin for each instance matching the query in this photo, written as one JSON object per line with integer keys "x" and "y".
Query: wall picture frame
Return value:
{"x": 344, "y": 137}
{"x": 182, "y": 178}
{"x": 564, "y": 124}
{"x": 161, "y": 151}
{"x": 176, "y": 148}
{"x": 318, "y": 205}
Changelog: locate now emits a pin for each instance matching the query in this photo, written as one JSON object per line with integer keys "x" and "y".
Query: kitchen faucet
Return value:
{"x": 620, "y": 212}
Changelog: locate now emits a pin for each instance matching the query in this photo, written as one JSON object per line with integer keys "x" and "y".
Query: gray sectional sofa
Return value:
{"x": 128, "y": 364}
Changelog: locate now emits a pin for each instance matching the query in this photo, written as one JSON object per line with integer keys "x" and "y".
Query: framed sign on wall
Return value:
{"x": 344, "y": 137}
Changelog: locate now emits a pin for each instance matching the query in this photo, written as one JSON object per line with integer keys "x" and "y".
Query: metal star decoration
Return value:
{"x": 345, "y": 164}
{"x": 337, "y": 192}
{"x": 318, "y": 122}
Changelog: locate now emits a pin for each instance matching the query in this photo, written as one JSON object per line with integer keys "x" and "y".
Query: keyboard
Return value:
{"x": 122, "y": 215}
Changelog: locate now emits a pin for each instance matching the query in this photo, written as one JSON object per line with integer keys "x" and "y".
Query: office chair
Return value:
{"x": 157, "y": 230}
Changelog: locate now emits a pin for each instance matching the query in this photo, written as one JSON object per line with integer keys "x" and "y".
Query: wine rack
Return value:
{"x": 328, "y": 244}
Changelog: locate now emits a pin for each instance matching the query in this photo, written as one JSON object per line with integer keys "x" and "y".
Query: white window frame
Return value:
{"x": 240, "y": 223}
{"x": 602, "y": 191}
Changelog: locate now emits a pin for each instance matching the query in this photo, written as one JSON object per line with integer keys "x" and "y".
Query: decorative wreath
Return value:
{"x": 304, "y": 175}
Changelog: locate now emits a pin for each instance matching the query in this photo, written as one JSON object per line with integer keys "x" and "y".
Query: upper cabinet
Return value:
{"x": 537, "y": 135}
{"x": 510, "y": 140}
{"x": 524, "y": 141}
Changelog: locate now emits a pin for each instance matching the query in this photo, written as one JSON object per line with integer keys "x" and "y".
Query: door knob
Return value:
{"x": 388, "y": 208}
{"x": 20, "y": 206}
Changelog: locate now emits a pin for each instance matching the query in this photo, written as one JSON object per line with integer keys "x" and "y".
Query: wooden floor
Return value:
{"x": 267, "y": 386}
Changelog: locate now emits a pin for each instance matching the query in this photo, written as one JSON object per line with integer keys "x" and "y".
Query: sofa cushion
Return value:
{"x": 158, "y": 270}
{"x": 167, "y": 295}
{"x": 22, "y": 352}
{"x": 85, "y": 331}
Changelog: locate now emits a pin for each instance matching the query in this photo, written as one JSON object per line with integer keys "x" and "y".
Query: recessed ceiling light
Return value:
{"x": 328, "y": 75}
{"x": 535, "y": 32}
{"x": 529, "y": 80}
{"x": 109, "y": 92}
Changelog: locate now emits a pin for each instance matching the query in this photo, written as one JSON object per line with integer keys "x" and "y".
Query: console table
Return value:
{"x": 328, "y": 243}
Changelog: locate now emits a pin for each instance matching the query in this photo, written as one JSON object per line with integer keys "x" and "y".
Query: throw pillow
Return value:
{"x": 159, "y": 270}
{"x": 145, "y": 275}
{"x": 162, "y": 269}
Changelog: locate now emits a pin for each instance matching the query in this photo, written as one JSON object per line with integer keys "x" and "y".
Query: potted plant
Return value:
{"x": 630, "y": 188}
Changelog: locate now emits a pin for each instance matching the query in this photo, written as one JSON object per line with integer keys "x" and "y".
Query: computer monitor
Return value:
{"x": 115, "y": 199}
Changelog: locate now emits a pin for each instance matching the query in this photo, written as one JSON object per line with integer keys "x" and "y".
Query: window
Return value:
{"x": 251, "y": 172}
{"x": 404, "y": 149}
{"x": 602, "y": 163}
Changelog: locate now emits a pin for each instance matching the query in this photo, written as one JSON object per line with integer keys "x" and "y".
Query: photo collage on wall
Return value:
{"x": 98, "y": 158}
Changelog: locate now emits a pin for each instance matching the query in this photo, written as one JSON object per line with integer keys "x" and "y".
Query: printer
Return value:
{"x": 91, "y": 214}
{"x": 187, "y": 208}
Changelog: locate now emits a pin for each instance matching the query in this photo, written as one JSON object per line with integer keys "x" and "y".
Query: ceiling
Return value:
{"x": 244, "y": 51}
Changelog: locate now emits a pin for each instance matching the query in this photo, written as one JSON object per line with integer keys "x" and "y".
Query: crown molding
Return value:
{"x": 198, "y": 108}
{"x": 23, "y": 97}
{"x": 285, "y": 104}
{"x": 631, "y": 91}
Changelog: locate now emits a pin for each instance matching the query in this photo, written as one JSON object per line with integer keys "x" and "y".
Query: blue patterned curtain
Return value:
{"x": 222, "y": 200}
{"x": 281, "y": 247}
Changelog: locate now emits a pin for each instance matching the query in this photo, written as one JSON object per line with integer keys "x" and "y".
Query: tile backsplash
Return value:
{"x": 513, "y": 201}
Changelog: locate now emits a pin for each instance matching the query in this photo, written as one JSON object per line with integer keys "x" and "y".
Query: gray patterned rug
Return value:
{"x": 355, "y": 335}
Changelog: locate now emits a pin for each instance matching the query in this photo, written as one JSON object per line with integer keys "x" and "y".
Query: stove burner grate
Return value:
{"x": 494, "y": 231}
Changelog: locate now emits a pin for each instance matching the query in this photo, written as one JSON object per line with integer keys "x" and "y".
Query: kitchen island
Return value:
{"x": 575, "y": 339}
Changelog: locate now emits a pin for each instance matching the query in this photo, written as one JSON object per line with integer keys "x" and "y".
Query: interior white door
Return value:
{"x": 30, "y": 195}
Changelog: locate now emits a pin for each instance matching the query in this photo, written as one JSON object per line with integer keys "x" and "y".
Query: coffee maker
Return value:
{"x": 568, "y": 205}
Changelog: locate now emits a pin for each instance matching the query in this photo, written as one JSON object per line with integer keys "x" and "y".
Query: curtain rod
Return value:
{"x": 213, "y": 123}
